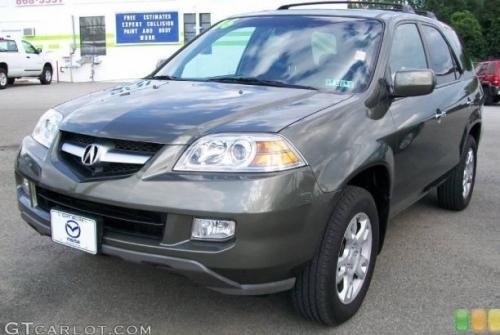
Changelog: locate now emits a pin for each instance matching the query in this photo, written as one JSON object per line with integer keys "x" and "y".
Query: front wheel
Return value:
{"x": 455, "y": 193}
{"x": 46, "y": 77}
{"x": 333, "y": 285}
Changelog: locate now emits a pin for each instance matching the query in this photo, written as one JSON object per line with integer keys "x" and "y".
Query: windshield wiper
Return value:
{"x": 165, "y": 77}
{"x": 257, "y": 81}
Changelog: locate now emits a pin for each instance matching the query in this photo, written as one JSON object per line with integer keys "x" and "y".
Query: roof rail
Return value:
{"x": 426, "y": 13}
{"x": 395, "y": 6}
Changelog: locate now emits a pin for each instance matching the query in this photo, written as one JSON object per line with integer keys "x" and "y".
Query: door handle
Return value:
{"x": 439, "y": 115}
{"x": 28, "y": 57}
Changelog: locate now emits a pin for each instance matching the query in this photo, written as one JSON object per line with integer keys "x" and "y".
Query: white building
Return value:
{"x": 131, "y": 35}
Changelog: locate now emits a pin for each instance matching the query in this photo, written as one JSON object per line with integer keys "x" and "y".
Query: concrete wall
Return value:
{"x": 54, "y": 27}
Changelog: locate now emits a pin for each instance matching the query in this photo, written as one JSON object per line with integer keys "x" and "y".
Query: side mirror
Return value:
{"x": 414, "y": 83}
{"x": 39, "y": 50}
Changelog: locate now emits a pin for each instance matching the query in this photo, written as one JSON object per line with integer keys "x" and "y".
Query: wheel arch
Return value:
{"x": 4, "y": 65}
{"x": 377, "y": 179}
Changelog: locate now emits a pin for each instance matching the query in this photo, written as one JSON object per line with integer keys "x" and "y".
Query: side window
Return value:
{"x": 220, "y": 58}
{"x": 491, "y": 69}
{"x": 28, "y": 48}
{"x": 481, "y": 69}
{"x": 8, "y": 46}
{"x": 407, "y": 51}
{"x": 441, "y": 61}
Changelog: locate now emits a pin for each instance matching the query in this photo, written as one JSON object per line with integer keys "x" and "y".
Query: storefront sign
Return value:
{"x": 138, "y": 28}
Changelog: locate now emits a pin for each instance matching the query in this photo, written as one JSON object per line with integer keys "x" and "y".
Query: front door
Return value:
{"x": 32, "y": 60}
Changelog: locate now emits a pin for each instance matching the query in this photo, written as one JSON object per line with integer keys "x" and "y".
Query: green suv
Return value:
{"x": 267, "y": 155}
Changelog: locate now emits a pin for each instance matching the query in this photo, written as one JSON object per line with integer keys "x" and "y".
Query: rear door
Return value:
{"x": 417, "y": 144}
{"x": 10, "y": 54}
{"x": 453, "y": 98}
{"x": 33, "y": 62}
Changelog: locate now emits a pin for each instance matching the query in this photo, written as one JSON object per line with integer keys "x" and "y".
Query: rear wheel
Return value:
{"x": 3, "y": 79}
{"x": 46, "y": 77}
{"x": 11, "y": 81}
{"x": 333, "y": 285}
{"x": 455, "y": 193}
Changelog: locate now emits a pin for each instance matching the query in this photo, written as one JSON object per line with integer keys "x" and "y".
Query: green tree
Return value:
{"x": 468, "y": 27}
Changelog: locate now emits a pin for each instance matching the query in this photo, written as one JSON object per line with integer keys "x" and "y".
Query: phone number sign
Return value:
{"x": 139, "y": 28}
{"x": 28, "y": 3}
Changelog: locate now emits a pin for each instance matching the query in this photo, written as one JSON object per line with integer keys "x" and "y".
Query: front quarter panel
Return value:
{"x": 341, "y": 141}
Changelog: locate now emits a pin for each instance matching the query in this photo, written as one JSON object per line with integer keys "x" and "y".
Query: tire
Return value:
{"x": 454, "y": 194}
{"x": 316, "y": 293}
{"x": 46, "y": 76}
{"x": 3, "y": 79}
{"x": 11, "y": 81}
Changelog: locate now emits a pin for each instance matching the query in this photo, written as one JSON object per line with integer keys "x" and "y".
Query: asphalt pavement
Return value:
{"x": 434, "y": 261}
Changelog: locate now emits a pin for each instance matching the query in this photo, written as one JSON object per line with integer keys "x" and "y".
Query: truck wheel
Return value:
{"x": 3, "y": 79}
{"x": 46, "y": 77}
{"x": 333, "y": 285}
{"x": 11, "y": 81}
{"x": 455, "y": 193}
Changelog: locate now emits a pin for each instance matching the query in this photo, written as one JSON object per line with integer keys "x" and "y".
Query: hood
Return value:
{"x": 176, "y": 112}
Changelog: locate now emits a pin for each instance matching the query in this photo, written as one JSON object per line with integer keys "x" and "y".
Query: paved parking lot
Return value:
{"x": 433, "y": 261}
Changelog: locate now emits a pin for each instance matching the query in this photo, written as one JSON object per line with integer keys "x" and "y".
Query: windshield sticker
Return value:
{"x": 226, "y": 24}
{"x": 360, "y": 55}
{"x": 339, "y": 83}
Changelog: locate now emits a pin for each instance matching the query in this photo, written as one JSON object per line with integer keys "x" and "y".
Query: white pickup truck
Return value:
{"x": 19, "y": 58}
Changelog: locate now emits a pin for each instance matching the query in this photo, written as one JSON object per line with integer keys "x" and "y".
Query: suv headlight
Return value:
{"x": 47, "y": 127}
{"x": 240, "y": 153}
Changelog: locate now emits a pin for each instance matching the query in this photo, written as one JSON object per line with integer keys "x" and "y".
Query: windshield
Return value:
{"x": 326, "y": 53}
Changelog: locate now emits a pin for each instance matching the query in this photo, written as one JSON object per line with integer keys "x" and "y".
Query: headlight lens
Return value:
{"x": 240, "y": 153}
{"x": 47, "y": 127}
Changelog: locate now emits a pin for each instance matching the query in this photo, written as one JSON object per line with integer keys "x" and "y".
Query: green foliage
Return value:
{"x": 468, "y": 27}
{"x": 476, "y": 21}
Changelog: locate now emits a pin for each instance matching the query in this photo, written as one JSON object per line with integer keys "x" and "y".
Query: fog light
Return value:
{"x": 212, "y": 230}
{"x": 25, "y": 186}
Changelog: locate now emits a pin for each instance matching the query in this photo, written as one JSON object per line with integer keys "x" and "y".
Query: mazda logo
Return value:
{"x": 91, "y": 155}
{"x": 73, "y": 229}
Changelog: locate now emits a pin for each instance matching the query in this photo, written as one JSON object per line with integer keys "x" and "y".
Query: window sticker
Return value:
{"x": 226, "y": 24}
{"x": 360, "y": 55}
{"x": 335, "y": 83}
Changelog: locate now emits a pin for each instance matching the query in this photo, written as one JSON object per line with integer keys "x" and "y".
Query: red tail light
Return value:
{"x": 495, "y": 80}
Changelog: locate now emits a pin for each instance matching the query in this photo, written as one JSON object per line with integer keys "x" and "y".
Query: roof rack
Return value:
{"x": 426, "y": 13}
{"x": 395, "y": 6}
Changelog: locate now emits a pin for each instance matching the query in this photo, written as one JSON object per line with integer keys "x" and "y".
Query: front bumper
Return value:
{"x": 280, "y": 218}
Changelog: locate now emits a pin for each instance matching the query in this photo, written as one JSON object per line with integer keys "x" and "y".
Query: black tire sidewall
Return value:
{"x": 42, "y": 77}
{"x": 337, "y": 309}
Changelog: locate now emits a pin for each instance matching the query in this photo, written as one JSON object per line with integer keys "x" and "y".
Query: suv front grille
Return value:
{"x": 132, "y": 155}
{"x": 133, "y": 222}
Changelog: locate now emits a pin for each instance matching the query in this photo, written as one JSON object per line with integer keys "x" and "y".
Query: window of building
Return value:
{"x": 441, "y": 61}
{"x": 93, "y": 36}
{"x": 189, "y": 26}
{"x": 205, "y": 22}
{"x": 407, "y": 51}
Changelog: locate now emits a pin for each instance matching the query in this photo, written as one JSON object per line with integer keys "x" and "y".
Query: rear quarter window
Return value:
{"x": 8, "y": 46}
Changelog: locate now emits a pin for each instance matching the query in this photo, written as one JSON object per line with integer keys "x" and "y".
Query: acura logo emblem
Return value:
{"x": 91, "y": 155}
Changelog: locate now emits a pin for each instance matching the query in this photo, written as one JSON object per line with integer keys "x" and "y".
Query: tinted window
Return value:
{"x": 441, "y": 61}
{"x": 491, "y": 68}
{"x": 221, "y": 58}
{"x": 407, "y": 51}
{"x": 28, "y": 48}
{"x": 336, "y": 54}
{"x": 8, "y": 46}
{"x": 481, "y": 69}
